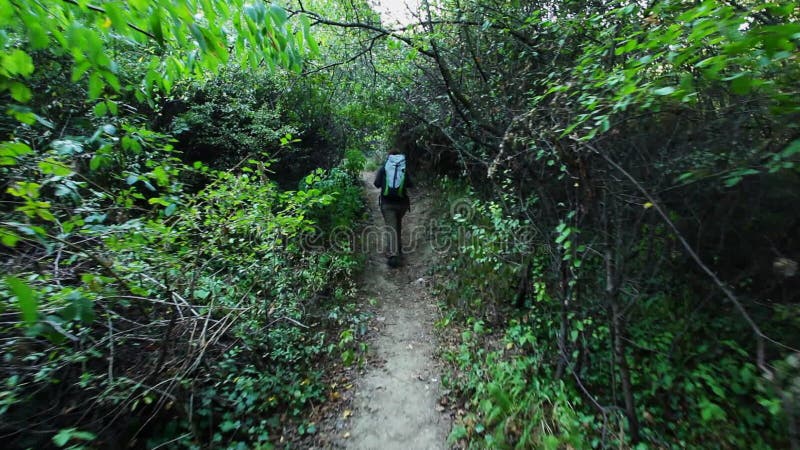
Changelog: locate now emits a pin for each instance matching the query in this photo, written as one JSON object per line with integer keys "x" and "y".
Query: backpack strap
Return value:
{"x": 385, "y": 179}
{"x": 402, "y": 183}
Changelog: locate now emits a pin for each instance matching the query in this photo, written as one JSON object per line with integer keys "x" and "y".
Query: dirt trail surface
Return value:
{"x": 396, "y": 400}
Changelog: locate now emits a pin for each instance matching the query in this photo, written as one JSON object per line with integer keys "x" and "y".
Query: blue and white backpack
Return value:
{"x": 395, "y": 179}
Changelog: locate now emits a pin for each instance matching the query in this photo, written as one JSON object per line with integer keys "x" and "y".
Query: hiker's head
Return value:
{"x": 394, "y": 151}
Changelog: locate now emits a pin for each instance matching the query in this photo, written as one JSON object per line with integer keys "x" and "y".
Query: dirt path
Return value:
{"x": 396, "y": 399}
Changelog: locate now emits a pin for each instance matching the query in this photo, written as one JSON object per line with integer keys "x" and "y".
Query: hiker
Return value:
{"x": 393, "y": 181}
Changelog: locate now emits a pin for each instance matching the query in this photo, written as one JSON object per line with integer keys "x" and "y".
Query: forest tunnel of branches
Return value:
{"x": 619, "y": 184}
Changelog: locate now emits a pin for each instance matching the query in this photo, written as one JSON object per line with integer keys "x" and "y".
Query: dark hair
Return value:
{"x": 394, "y": 151}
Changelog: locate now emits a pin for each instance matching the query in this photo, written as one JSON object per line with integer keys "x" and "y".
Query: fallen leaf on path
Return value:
{"x": 347, "y": 413}
{"x": 346, "y": 435}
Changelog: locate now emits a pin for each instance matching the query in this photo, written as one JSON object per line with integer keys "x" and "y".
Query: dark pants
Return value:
{"x": 393, "y": 217}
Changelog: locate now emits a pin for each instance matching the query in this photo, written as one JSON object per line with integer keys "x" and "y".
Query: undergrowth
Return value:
{"x": 512, "y": 384}
{"x": 207, "y": 320}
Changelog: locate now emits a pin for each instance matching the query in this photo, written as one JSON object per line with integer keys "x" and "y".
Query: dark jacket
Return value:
{"x": 380, "y": 178}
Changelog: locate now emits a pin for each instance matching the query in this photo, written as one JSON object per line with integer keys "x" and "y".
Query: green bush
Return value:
{"x": 354, "y": 162}
{"x": 505, "y": 368}
{"x": 237, "y": 309}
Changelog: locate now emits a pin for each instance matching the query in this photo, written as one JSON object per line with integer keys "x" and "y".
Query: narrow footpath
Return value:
{"x": 396, "y": 400}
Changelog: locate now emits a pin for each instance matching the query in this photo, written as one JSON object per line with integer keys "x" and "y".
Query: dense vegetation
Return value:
{"x": 621, "y": 243}
{"x": 629, "y": 174}
{"x": 169, "y": 188}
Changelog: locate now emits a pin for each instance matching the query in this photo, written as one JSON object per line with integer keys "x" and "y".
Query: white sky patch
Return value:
{"x": 396, "y": 11}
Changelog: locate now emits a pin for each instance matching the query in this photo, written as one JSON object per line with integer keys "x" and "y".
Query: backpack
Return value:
{"x": 395, "y": 177}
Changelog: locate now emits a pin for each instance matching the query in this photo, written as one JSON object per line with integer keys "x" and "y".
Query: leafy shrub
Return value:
{"x": 512, "y": 400}
{"x": 227, "y": 290}
{"x": 346, "y": 201}
{"x": 354, "y": 162}
{"x": 506, "y": 367}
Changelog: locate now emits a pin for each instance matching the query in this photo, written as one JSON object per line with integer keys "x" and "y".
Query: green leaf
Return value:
{"x": 25, "y": 299}
{"x": 52, "y": 166}
{"x": 155, "y": 25}
{"x": 458, "y": 432}
{"x": 95, "y": 85}
{"x": 500, "y": 396}
{"x": 278, "y": 14}
{"x": 732, "y": 181}
{"x": 112, "y": 80}
{"x": 664, "y": 90}
{"x": 309, "y": 38}
{"x": 8, "y": 237}
{"x": 20, "y": 92}
{"x": 23, "y": 115}
{"x": 67, "y": 147}
{"x": 17, "y": 63}
{"x": 742, "y": 85}
{"x": 710, "y": 411}
{"x": 100, "y": 109}
{"x": 197, "y": 34}
{"x": 62, "y": 437}
{"x": 38, "y": 36}
{"x": 11, "y": 151}
{"x": 169, "y": 210}
{"x": 115, "y": 13}
{"x": 67, "y": 434}
{"x": 161, "y": 176}
{"x": 45, "y": 214}
{"x": 96, "y": 162}
{"x": 550, "y": 442}
{"x": 159, "y": 201}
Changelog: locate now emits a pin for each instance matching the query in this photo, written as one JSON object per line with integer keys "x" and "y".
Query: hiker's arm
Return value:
{"x": 379, "y": 178}
{"x": 409, "y": 183}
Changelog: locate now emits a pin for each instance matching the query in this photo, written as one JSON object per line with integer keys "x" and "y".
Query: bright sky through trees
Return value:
{"x": 396, "y": 11}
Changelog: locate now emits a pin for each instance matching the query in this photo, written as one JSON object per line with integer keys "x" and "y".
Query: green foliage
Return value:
{"x": 494, "y": 248}
{"x": 504, "y": 370}
{"x": 179, "y": 297}
{"x": 242, "y": 112}
{"x": 232, "y": 116}
{"x": 235, "y": 258}
{"x": 510, "y": 401}
{"x": 66, "y": 435}
{"x": 346, "y": 204}
{"x": 25, "y": 299}
{"x": 177, "y": 40}
{"x": 205, "y": 304}
{"x": 610, "y": 137}
{"x": 354, "y": 162}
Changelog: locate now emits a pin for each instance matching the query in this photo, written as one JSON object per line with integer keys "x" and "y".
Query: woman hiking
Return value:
{"x": 393, "y": 181}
